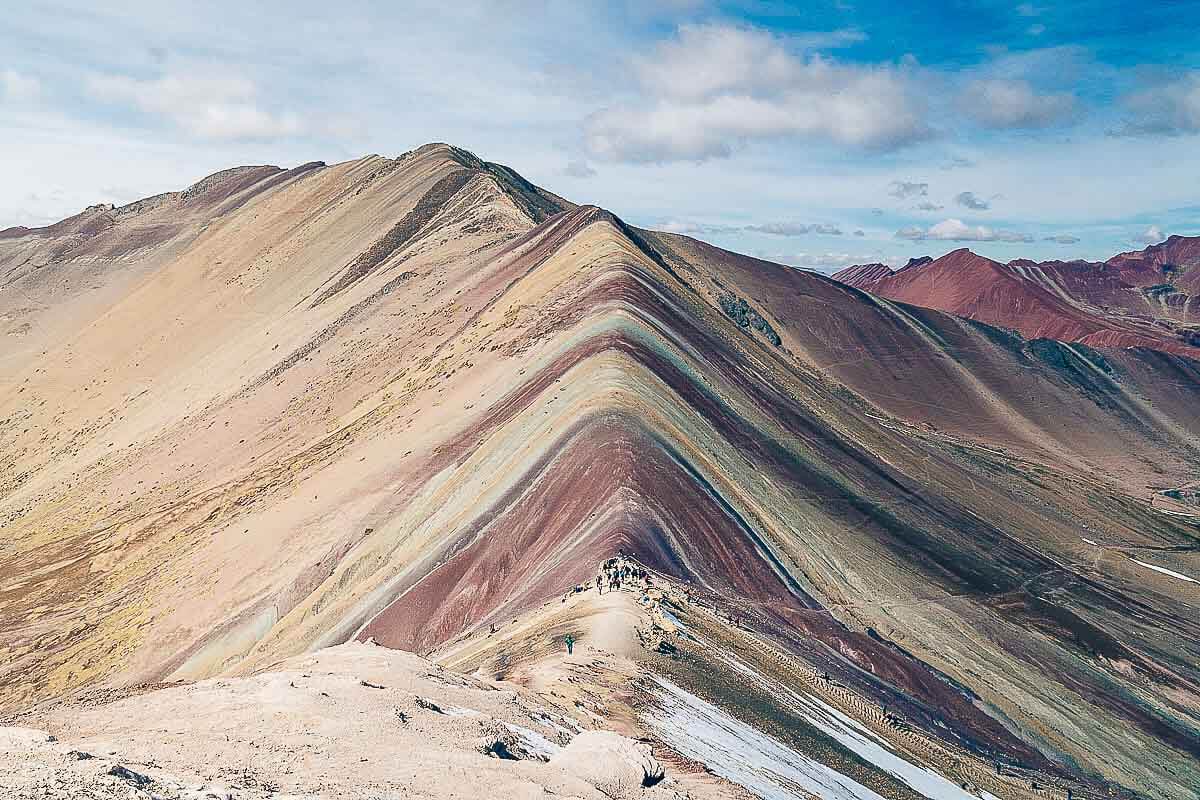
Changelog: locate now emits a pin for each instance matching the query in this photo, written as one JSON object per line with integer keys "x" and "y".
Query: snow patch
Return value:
{"x": 671, "y": 618}
{"x": 1165, "y": 571}
{"x": 856, "y": 737}
{"x": 741, "y": 754}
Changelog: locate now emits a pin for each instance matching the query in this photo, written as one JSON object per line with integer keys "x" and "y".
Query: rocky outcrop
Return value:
{"x": 616, "y": 765}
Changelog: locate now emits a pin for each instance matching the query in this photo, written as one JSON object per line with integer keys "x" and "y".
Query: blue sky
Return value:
{"x": 817, "y": 134}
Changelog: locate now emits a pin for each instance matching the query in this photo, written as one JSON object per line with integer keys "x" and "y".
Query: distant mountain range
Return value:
{"x": 1146, "y": 298}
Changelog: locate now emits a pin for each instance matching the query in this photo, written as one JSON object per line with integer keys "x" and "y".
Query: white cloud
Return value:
{"x": 578, "y": 168}
{"x": 207, "y": 107}
{"x": 1014, "y": 103}
{"x": 772, "y": 228}
{"x": 689, "y": 228}
{"x": 16, "y": 87}
{"x": 958, "y": 162}
{"x": 1028, "y": 10}
{"x": 906, "y": 189}
{"x": 1171, "y": 108}
{"x": 795, "y": 229}
{"x": 707, "y": 60}
{"x": 714, "y": 87}
{"x": 1152, "y": 235}
{"x": 972, "y": 201}
{"x": 955, "y": 230}
{"x": 928, "y": 206}
{"x": 1062, "y": 238}
{"x": 1037, "y": 29}
{"x": 824, "y": 262}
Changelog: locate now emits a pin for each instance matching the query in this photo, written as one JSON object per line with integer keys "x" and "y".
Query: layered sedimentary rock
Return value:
{"x": 412, "y": 399}
{"x": 1147, "y": 298}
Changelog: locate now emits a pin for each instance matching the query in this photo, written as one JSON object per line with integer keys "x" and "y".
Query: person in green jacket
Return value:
{"x": 570, "y": 640}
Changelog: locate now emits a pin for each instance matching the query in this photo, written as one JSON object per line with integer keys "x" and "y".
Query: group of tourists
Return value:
{"x": 614, "y": 574}
{"x": 619, "y": 572}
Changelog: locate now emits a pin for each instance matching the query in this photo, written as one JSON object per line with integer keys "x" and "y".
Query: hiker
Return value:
{"x": 570, "y": 640}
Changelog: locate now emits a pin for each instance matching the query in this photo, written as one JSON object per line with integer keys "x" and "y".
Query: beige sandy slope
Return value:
{"x": 143, "y": 438}
{"x": 355, "y": 721}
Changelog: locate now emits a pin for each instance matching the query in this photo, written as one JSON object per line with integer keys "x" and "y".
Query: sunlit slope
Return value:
{"x": 405, "y": 399}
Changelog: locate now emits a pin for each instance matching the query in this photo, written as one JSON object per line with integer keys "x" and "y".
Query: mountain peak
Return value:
{"x": 918, "y": 261}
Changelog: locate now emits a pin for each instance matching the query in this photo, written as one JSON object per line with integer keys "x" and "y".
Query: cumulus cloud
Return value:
{"x": 955, "y": 230}
{"x": 1170, "y": 109}
{"x": 18, "y": 88}
{"x": 707, "y": 60}
{"x": 714, "y": 87}
{"x": 1152, "y": 235}
{"x": 1036, "y": 29}
{"x": 860, "y": 232}
{"x": 1062, "y": 238}
{"x": 1028, "y": 10}
{"x": 795, "y": 229}
{"x": 928, "y": 206}
{"x": 906, "y": 189}
{"x": 1014, "y": 103}
{"x": 972, "y": 201}
{"x": 207, "y": 107}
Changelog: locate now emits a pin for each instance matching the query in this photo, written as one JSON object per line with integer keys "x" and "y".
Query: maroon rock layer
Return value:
{"x": 1148, "y": 298}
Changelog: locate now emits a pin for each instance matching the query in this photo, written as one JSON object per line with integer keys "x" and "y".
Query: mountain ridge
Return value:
{"x": 209, "y": 472}
{"x": 1141, "y": 298}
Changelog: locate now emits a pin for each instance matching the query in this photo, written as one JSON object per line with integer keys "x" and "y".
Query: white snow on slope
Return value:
{"x": 739, "y": 753}
{"x": 1165, "y": 571}
{"x": 674, "y": 620}
{"x": 857, "y": 738}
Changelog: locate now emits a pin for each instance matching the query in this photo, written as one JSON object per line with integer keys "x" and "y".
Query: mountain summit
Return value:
{"x": 796, "y": 538}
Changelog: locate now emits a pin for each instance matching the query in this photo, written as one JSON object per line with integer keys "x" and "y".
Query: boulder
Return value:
{"x": 616, "y": 765}
{"x": 128, "y": 775}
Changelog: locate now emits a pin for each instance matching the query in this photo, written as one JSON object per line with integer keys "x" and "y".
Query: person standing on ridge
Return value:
{"x": 570, "y": 640}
